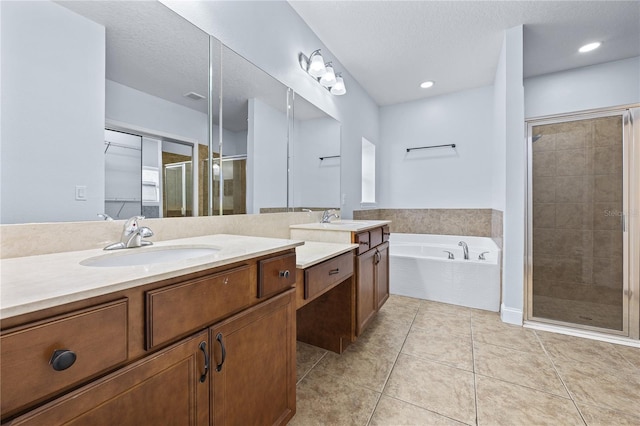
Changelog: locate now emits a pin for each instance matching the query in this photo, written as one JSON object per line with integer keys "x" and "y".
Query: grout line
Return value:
{"x": 560, "y": 377}
{"x": 391, "y": 369}
{"x": 312, "y": 367}
{"x": 473, "y": 359}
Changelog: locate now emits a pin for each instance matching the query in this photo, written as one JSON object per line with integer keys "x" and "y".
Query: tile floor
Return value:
{"x": 427, "y": 363}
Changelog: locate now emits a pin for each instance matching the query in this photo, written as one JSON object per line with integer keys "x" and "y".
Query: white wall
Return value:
{"x": 515, "y": 171}
{"x": 266, "y": 157}
{"x": 439, "y": 177}
{"x": 271, "y": 35}
{"x": 499, "y": 146}
{"x": 597, "y": 86}
{"x": 316, "y": 183}
{"x": 131, "y": 106}
{"x": 52, "y": 113}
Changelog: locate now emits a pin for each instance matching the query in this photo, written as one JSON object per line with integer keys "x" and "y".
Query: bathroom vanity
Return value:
{"x": 326, "y": 295}
{"x": 207, "y": 340}
{"x": 371, "y": 268}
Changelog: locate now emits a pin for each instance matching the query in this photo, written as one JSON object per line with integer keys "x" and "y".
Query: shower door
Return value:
{"x": 578, "y": 226}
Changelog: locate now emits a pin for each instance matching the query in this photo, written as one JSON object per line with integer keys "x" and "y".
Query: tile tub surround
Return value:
{"x": 471, "y": 222}
{"x": 407, "y": 370}
{"x": 43, "y": 238}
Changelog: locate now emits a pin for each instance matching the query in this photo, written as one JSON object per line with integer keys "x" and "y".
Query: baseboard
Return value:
{"x": 510, "y": 315}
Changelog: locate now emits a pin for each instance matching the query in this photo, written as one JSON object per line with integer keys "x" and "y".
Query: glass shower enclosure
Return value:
{"x": 580, "y": 254}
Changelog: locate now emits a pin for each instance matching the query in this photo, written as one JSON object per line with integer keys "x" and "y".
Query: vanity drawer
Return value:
{"x": 362, "y": 239}
{"x": 179, "y": 309}
{"x": 326, "y": 274}
{"x": 276, "y": 274}
{"x": 385, "y": 233}
{"x": 34, "y": 366}
{"x": 375, "y": 237}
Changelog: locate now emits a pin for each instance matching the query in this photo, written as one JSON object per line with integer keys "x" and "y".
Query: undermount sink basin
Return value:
{"x": 346, "y": 223}
{"x": 147, "y": 256}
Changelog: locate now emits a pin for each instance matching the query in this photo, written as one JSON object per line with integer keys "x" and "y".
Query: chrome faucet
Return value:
{"x": 132, "y": 235}
{"x": 328, "y": 214}
{"x": 465, "y": 249}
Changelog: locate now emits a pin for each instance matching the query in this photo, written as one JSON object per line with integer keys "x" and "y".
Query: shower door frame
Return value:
{"x": 630, "y": 115}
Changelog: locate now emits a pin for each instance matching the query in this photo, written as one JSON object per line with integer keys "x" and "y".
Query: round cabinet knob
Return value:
{"x": 284, "y": 274}
{"x": 62, "y": 359}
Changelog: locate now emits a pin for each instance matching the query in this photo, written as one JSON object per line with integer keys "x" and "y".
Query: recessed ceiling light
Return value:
{"x": 589, "y": 47}
{"x": 427, "y": 84}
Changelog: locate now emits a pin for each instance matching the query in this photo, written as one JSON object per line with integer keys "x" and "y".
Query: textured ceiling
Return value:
{"x": 390, "y": 47}
{"x": 152, "y": 49}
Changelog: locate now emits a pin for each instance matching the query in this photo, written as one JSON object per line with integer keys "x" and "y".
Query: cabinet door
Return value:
{"x": 366, "y": 292}
{"x": 254, "y": 371}
{"x": 170, "y": 387}
{"x": 382, "y": 274}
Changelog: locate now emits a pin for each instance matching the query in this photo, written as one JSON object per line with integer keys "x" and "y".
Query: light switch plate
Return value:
{"x": 81, "y": 193}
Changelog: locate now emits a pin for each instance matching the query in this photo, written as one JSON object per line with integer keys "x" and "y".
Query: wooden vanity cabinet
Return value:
{"x": 213, "y": 350}
{"x": 253, "y": 365}
{"x": 162, "y": 389}
{"x": 372, "y": 274}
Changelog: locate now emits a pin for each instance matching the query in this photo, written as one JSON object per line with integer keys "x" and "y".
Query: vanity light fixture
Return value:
{"x": 323, "y": 72}
{"x": 589, "y": 47}
{"x": 338, "y": 88}
{"x": 427, "y": 84}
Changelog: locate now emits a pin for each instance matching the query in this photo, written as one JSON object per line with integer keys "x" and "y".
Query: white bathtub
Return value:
{"x": 419, "y": 267}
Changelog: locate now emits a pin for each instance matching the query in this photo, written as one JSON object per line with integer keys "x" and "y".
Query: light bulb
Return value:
{"x": 316, "y": 65}
{"x": 338, "y": 88}
{"x": 427, "y": 84}
{"x": 589, "y": 47}
{"x": 329, "y": 78}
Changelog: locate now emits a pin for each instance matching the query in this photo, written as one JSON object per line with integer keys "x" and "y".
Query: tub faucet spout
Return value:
{"x": 465, "y": 249}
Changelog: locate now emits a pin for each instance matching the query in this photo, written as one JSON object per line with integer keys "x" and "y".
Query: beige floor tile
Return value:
{"x": 615, "y": 388}
{"x": 306, "y": 357}
{"x": 387, "y": 337}
{"x": 394, "y": 412}
{"x": 598, "y": 416}
{"x": 361, "y": 364}
{"x": 407, "y": 303}
{"x": 505, "y": 335}
{"x": 482, "y": 315}
{"x": 443, "y": 322}
{"x": 323, "y": 399}
{"x": 436, "y": 387}
{"x": 445, "y": 308}
{"x": 451, "y": 349}
{"x": 501, "y": 403}
{"x": 562, "y": 347}
{"x": 629, "y": 353}
{"x": 531, "y": 369}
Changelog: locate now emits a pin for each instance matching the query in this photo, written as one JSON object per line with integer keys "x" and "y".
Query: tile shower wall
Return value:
{"x": 471, "y": 222}
{"x": 577, "y": 238}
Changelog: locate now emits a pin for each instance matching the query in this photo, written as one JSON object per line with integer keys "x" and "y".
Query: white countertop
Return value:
{"x": 343, "y": 225}
{"x": 33, "y": 283}
{"x": 313, "y": 252}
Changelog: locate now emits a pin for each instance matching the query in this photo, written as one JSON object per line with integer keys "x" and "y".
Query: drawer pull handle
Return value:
{"x": 203, "y": 348}
{"x": 364, "y": 243}
{"x": 62, "y": 359}
{"x": 377, "y": 257}
{"x": 224, "y": 352}
{"x": 284, "y": 274}
{"x": 334, "y": 271}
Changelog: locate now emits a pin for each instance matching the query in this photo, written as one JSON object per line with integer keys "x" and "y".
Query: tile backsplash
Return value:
{"x": 43, "y": 238}
{"x": 468, "y": 222}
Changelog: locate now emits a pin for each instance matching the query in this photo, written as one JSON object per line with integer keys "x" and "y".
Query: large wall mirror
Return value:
{"x": 102, "y": 114}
